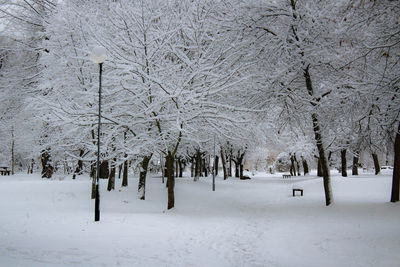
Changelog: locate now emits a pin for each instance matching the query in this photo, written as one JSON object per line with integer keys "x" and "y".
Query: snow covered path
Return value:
{"x": 243, "y": 223}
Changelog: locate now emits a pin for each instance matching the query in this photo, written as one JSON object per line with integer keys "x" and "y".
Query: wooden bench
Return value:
{"x": 4, "y": 171}
{"x": 286, "y": 176}
{"x": 298, "y": 190}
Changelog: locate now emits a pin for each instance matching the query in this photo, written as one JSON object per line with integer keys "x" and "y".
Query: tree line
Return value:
{"x": 318, "y": 78}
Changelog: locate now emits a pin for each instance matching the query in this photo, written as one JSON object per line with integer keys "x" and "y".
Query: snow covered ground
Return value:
{"x": 243, "y": 223}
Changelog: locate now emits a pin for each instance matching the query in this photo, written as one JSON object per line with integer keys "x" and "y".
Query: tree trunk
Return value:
{"x": 142, "y": 177}
{"x": 237, "y": 175}
{"x": 197, "y": 166}
{"x": 119, "y": 171}
{"x": 104, "y": 170}
{"x": 292, "y": 166}
{"x": 241, "y": 163}
{"x": 170, "y": 180}
{"x": 201, "y": 168}
{"x": 205, "y": 167}
{"x": 30, "y": 167}
{"x": 125, "y": 174}
{"x": 223, "y": 164}
{"x": 47, "y": 167}
{"x": 192, "y": 167}
{"x": 388, "y": 148}
{"x": 305, "y": 166}
{"x": 319, "y": 169}
{"x": 396, "y": 171}
{"x": 111, "y": 178}
{"x": 162, "y": 168}
{"x": 296, "y": 164}
{"x": 177, "y": 167}
{"x": 230, "y": 165}
{"x": 376, "y": 163}
{"x": 166, "y": 173}
{"x": 181, "y": 167}
{"x": 32, "y": 163}
{"x": 324, "y": 163}
{"x": 344, "y": 162}
{"x": 355, "y": 165}
{"x": 329, "y": 159}
{"x": 79, "y": 168}
{"x": 320, "y": 144}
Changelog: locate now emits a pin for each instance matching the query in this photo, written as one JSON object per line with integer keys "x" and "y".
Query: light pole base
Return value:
{"x": 97, "y": 204}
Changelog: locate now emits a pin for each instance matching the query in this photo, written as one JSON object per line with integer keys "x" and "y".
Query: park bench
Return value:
{"x": 286, "y": 176}
{"x": 4, "y": 171}
{"x": 297, "y": 190}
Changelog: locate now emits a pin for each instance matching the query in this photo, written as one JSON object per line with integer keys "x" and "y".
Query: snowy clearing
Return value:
{"x": 244, "y": 223}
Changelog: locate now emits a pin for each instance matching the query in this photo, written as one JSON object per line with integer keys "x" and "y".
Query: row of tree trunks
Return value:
{"x": 180, "y": 165}
{"x": 227, "y": 160}
{"x": 356, "y": 163}
{"x": 105, "y": 173}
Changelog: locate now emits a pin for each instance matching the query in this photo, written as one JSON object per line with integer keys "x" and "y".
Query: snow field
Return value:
{"x": 243, "y": 223}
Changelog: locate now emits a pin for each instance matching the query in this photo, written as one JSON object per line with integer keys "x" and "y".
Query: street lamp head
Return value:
{"x": 99, "y": 54}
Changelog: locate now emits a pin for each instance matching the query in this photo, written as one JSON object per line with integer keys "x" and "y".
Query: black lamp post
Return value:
{"x": 213, "y": 183}
{"x": 98, "y": 56}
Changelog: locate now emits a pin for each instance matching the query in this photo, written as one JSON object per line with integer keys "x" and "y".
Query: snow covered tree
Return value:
{"x": 294, "y": 38}
{"x": 373, "y": 33}
{"x": 23, "y": 23}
